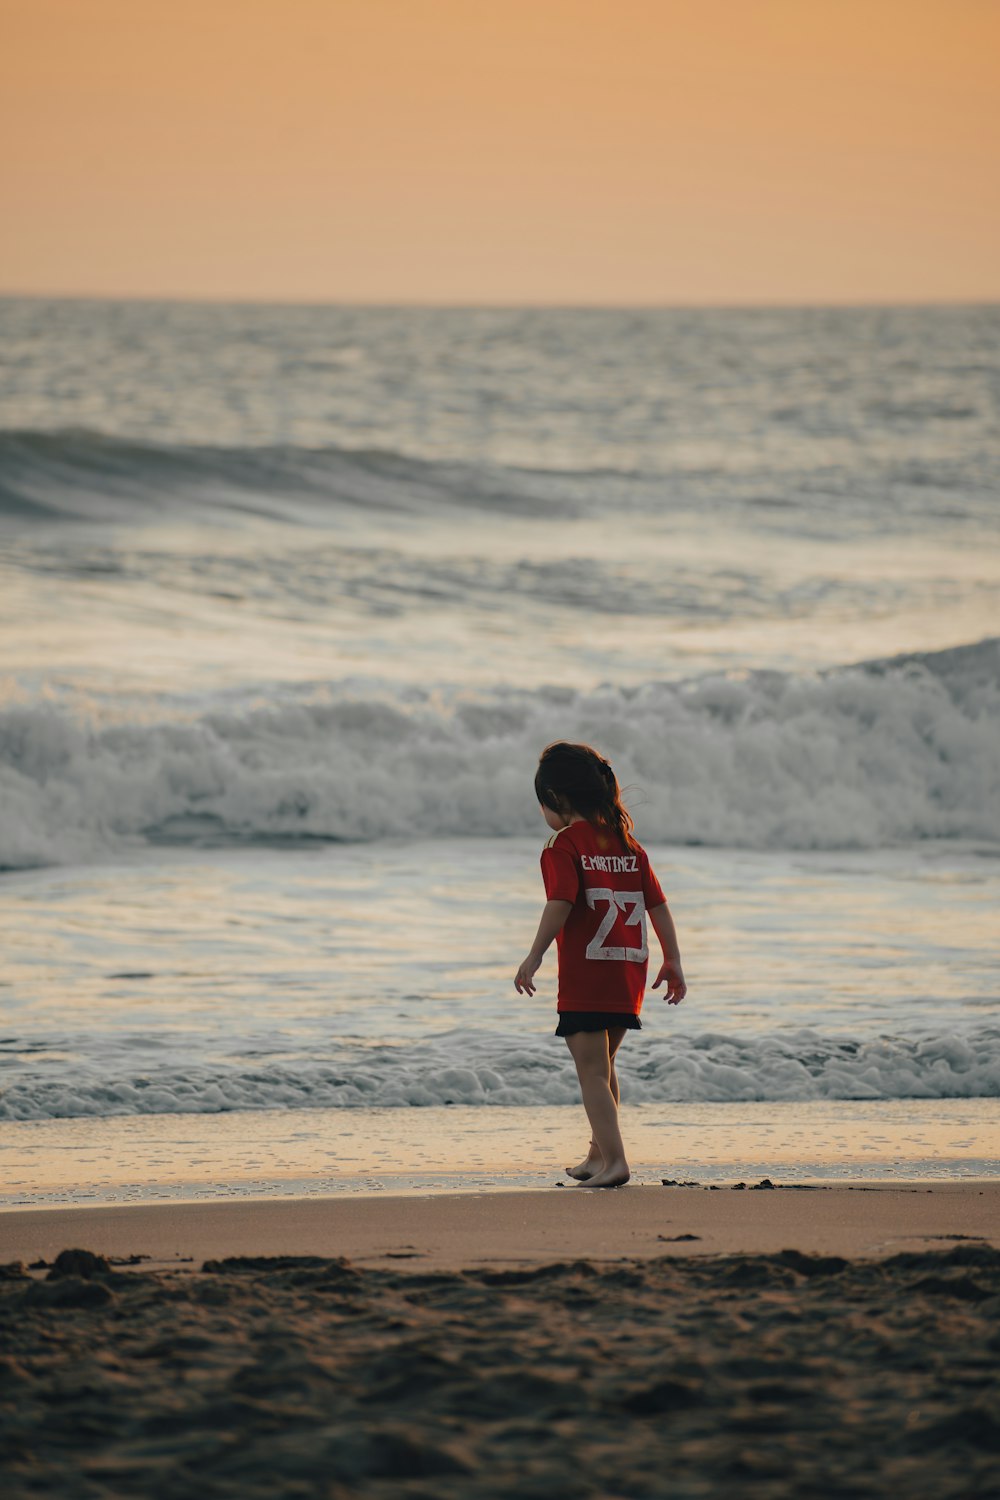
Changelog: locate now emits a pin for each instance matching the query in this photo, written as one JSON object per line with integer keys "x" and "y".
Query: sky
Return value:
{"x": 581, "y": 152}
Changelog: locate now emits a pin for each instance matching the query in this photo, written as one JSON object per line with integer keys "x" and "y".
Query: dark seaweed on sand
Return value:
{"x": 783, "y": 1375}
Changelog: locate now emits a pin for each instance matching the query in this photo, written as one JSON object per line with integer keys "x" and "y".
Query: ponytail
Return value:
{"x": 576, "y": 777}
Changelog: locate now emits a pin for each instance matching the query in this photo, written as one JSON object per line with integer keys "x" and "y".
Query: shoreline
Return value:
{"x": 321, "y": 1152}
{"x": 515, "y": 1228}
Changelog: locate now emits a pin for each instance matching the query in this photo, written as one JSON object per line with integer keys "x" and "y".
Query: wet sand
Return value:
{"x": 322, "y": 1153}
{"x": 835, "y": 1342}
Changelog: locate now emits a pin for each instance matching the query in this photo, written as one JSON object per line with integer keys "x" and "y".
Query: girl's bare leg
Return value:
{"x": 591, "y": 1052}
{"x": 594, "y": 1161}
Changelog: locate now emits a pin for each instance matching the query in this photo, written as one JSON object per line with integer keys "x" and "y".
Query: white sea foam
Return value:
{"x": 486, "y": 1069}
{"x": 856, "y": 757}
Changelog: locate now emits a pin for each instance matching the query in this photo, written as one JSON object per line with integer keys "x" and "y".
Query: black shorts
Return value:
{"x": 571, "y": 1021}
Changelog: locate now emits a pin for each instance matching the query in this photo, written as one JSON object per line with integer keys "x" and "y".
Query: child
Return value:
{"x": 599, "y": 886}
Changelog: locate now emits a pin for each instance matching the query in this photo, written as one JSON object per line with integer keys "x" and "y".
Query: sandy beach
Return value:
{"x": 454, "y": 1232}
{"x": 653, "y": 1341}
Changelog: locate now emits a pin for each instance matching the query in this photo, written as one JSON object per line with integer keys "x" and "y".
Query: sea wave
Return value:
{"x": 80, "y": 474}
{"x": 855, "y": 757}
{"x": 486, "y": 1069}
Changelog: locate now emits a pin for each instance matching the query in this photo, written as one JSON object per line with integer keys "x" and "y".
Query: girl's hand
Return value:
{"x": 676, "y": 987}
{"x": 525, "y": 975}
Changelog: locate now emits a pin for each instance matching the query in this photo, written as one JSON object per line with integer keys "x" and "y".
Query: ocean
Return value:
{"x": 290, "y": 600}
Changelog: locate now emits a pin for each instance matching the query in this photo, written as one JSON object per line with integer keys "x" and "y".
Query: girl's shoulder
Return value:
{"x": 550, "y": 842}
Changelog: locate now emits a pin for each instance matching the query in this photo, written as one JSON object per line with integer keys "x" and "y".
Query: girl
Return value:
{"x": 599, "y": 886}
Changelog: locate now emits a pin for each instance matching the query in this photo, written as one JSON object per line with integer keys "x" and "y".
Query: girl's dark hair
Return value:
{"x": 576, "y": 777}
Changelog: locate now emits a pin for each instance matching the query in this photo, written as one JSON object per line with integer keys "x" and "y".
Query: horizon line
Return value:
{"x": 209, "y": 299}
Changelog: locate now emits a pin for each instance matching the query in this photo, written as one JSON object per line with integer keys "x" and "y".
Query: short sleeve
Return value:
{"x": 651, "y": 889}
{"x": 560, "y": 872}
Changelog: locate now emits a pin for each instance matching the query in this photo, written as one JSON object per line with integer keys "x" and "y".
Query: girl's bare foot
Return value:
{"x": 589, "y": 1167}
{"x": 615, "y": 1174}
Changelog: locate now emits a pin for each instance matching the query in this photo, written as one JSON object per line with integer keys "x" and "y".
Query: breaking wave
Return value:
{"x": 856, "y": 757}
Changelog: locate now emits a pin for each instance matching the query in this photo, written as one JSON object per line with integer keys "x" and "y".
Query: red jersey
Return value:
{"x": 603, "y": 953}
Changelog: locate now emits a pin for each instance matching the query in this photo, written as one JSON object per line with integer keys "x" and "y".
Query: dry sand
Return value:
{"x": 563, "y": 1343}
{"x": 516, "y": 1228}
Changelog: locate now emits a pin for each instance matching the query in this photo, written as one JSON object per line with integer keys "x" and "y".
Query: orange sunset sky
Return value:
{"x": 502, "y": 151}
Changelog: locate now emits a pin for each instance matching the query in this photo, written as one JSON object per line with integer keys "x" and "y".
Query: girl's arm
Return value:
{"x": 554, "y": 914}
{"x": 670, "y": 969}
